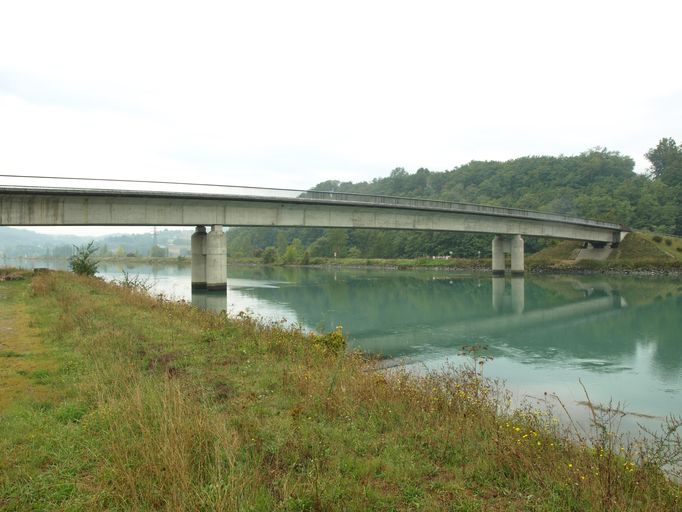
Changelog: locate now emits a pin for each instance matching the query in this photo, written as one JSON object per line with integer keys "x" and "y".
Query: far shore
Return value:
{"x": 637, "y": 267}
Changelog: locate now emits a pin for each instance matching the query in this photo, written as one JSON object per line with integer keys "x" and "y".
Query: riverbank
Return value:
{"x": 151, "y": 404}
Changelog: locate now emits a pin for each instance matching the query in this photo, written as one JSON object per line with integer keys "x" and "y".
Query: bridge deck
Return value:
{"x": 317, "y": 197}
{"x": 49, "y": 202}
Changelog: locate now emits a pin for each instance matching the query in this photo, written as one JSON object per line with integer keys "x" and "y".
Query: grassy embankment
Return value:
{"x": 639, "y": 251}
{"x": 125, "y": 402}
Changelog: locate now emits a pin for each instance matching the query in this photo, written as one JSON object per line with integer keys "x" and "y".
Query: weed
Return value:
{"x": 134, "y": 282}
{"x": 333, "y": 342}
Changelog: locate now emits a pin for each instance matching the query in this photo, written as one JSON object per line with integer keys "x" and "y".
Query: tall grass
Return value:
{"x": 161, "y": 406}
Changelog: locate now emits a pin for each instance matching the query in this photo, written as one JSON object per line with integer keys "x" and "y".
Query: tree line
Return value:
{"x": 598, "y": 184}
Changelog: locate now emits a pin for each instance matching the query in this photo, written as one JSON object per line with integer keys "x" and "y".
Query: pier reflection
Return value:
{"x": 210, "y": 300}
{"x": 514, "y": 302}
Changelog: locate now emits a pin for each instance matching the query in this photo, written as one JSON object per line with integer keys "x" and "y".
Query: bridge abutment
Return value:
{"x": 513, "y": 245}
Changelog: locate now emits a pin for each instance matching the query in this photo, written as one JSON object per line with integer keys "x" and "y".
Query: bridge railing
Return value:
{"x": 123, "y": 186}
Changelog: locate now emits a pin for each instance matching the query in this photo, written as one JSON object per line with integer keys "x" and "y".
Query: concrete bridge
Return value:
{"x": 200, "y": 205}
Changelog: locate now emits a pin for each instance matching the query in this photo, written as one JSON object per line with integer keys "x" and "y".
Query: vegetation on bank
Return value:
{"x": 151, "y": 404}
{"x": 392, "y": 263}
{"x": 639, "y": 251}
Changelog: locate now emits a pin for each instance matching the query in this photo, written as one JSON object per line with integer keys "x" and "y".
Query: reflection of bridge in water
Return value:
{"x": 603, "y": 324}
{"x": 382, "y": 333}
{"x": 508, "y": 302}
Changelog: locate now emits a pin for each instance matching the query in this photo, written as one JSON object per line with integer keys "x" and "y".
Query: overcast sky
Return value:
{"x": 288, "y": 93}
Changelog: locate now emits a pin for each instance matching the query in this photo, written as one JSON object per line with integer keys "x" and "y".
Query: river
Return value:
{"x": 621, "y": 337}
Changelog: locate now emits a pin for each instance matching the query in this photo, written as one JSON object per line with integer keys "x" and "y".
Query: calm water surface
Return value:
{"x": 622, "y": 336}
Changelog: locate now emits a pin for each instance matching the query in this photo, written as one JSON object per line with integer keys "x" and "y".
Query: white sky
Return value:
{"x": 288, "y": 94}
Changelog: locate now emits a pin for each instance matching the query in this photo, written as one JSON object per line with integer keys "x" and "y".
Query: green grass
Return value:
{"x": 155, "y": 405}
{"x": 637, "y": 252}
{"x": 560, "y": 250}
{"x": 638, "y": 246}
{"x": 668, "y": 244}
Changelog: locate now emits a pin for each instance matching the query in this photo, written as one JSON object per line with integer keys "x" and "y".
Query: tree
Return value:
{"x": 83, "y": 260}
{"x": 354, "y": 252}
{"x": 269, "y": 255}
{"x": 320, "y": 247}
{"x": 293, "y": 252}
{"x": 281, "y": 242}
{"x": 666, "y": 162}
{"x": 158, "y": 252}
{"x": 338, "y": 241}
{"x": 666, "y": 166}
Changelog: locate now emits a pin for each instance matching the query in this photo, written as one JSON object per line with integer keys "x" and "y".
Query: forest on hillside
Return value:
{"x": 597, "y": 184}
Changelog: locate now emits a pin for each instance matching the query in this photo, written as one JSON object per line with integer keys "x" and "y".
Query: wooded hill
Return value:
{"x": 597, "y": 184}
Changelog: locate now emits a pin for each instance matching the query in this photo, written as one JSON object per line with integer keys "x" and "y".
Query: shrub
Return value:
{"x": 83, "y": 262}
{"x": 269, "y": 255}
{"x": 657, "y": 238}
{"x": 668, "y": 242}
{"x": 354, "y": 252}
{"x": 134, "y": 282}
{"x": 333, "y": 341}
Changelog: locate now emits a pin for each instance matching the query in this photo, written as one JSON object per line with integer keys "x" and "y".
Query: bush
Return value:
{"x": 354, "y": 252}
{"x": 668, "y": 242}
{"x": 657, "y": 238}
{"x": 333, "y": 341}
{"x": 269, "y": 255}
{"x": 83, "y": 261}
{"x": 134, "y": 282}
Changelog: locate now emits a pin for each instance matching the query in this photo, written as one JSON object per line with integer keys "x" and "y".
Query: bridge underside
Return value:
{"x": 125, "y": 209}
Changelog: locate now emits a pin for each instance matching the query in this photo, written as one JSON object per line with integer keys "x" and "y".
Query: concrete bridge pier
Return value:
{"x": 498, "y": 255}
{"x": 216, "y": 259}
{"x": 503, "y": 245}
{"x": 199, "y": 258}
